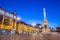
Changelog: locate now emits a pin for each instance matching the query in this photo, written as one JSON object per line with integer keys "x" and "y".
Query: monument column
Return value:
{"x": 45, "y": 19}
{"x": 45, "y": 29}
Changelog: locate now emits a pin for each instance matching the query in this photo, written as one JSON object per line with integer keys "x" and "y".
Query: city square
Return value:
{"x": 29, "y": 20}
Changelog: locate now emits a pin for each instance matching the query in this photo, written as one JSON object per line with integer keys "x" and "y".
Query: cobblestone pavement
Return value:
{"x": 31, "y": 37}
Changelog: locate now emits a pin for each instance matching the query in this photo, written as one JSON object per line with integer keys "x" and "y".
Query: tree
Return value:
{"x": 57, "y": 29}
{"x": 37, "y": 25}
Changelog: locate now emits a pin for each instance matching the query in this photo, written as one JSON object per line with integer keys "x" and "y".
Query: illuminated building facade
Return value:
{"x": 8, "y": 20}
{"x": 23, "y": 27}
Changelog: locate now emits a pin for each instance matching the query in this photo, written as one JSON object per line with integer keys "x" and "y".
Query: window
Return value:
{"x": 10, "y": 21}
{"x": 11, "y": 16}
{"x": 1, "y": 17}
{"x": 6, "y": 21}
{"x": 6, "y": 14}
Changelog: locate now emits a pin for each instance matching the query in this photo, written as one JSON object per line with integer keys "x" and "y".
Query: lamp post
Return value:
{"x": 13, "y": 29}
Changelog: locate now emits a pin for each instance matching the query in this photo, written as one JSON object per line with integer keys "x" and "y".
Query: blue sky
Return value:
{"x": 32, "y": 10}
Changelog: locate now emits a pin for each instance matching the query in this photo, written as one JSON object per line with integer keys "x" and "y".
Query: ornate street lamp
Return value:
{"x": 13, "y": 29}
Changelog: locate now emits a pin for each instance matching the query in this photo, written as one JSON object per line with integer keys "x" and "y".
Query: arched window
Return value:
{"x": 6, "y": 21}
{"x": 1, "y": 17}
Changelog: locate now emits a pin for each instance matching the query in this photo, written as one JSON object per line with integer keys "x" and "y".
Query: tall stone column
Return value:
{"x": 45, "y": 28}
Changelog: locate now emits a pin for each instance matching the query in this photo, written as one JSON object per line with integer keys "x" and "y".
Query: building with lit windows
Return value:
{"x": 23, "y": 27}
{"x": 8, "y": 21}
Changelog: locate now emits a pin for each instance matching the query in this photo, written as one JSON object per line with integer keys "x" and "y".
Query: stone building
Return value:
{"x": 8, "y": 21}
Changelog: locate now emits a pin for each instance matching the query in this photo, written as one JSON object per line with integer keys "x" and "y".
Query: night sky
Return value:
{"x": 32, "y": 10}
